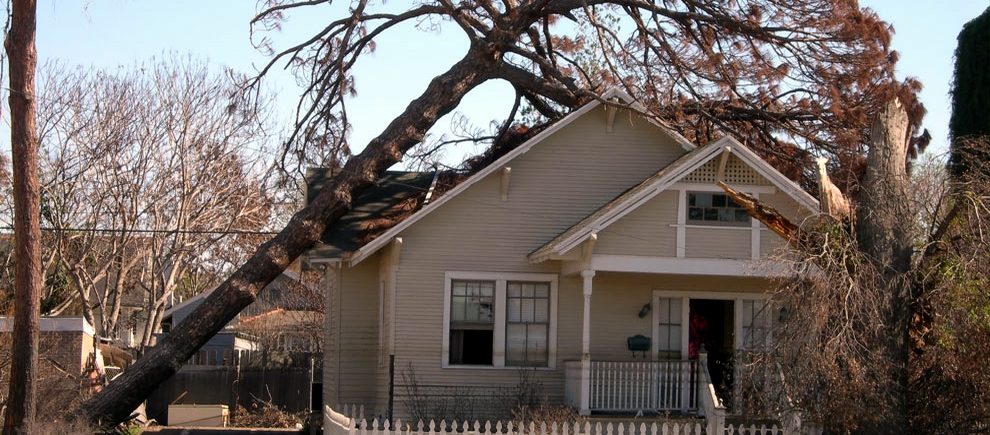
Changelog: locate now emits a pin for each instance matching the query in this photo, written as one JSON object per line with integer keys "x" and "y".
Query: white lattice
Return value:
{"x": 736, "y": 172}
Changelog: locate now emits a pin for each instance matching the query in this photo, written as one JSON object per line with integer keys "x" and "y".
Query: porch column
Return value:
{"x": 586, "y": 276}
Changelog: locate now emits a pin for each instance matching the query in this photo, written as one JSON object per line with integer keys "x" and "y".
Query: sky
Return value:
{"x": 111, "y": 34}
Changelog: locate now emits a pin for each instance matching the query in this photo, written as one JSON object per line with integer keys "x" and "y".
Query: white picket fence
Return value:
{"x": 336, "y": 423}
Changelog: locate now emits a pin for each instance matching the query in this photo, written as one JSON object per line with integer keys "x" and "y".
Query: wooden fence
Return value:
{"x": 337, "y": 423}
{"x": 288, "y": 388}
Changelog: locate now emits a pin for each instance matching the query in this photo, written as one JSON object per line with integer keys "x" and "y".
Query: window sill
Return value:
{"x": 746, "y": 227}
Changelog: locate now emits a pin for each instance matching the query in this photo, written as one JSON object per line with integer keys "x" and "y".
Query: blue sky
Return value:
{"x": 123, "y": 33}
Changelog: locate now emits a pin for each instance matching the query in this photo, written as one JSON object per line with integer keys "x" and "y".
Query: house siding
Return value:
{"x": 555, "y": 184}
{"x": 771, "y": 243}
{"x": 734, "y": 243}
{"x": 647, "y": 230}
{"x": 353, "y": 352}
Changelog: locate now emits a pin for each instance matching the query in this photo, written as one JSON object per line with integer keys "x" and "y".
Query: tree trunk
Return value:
{"x": 884, "y": 227}
{"x": 28, "y": 279}
{"x": 442, "y": 95}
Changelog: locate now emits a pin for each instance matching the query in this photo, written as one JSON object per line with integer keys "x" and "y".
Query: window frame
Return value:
{"x": 501, "y": 280}
{"x": 733, "y": 223}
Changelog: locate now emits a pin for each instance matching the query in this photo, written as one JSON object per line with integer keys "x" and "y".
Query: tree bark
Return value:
{"x": 28, "y": 280}
{"x": 884, "y": 233}
{"x": 443, "y": 94}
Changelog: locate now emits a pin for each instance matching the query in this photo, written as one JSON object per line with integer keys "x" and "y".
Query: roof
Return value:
{"x": 391, "y": 199}
{"x": 288, "y": 291}
{"x": 660, "y": 181}
{"x": 614, "y": 96}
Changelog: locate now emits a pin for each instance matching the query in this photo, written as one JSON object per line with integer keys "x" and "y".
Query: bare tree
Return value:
{"x": 28, "y": 280}
{"x": 517, "y": 42}
{"x": 150, "y": 177}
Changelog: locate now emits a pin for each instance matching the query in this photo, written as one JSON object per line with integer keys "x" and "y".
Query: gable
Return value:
{"x": 579, "y": 163}
{"x": 662, "y": 198}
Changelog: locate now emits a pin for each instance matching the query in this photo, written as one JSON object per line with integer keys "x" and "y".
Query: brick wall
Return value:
{"x": 65, "y": 346}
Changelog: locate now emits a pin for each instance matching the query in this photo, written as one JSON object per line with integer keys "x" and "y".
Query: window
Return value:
{"x": 755, "y": 323}
{"x": 527, "y": 324}
{"x": 472, "y": 324}
{"x": 715, "y": 208}
{"x": 499, "y": 320}
{"x": 668, "y": 340}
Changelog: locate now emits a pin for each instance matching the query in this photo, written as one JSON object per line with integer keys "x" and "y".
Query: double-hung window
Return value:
{"x": 527, "y": 323}
{"x": 499, "y": 320}
{"x": 472, "y": 322}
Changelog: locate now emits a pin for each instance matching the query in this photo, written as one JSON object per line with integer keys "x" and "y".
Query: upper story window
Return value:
{"x": 714, "y": 208}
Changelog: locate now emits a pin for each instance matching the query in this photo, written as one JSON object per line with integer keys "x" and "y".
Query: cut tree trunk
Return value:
{"x": 28, "y": 280}
{"x": 884, "y": 233}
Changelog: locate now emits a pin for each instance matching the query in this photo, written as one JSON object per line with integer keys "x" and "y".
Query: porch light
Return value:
{"x": 644, "y": 311}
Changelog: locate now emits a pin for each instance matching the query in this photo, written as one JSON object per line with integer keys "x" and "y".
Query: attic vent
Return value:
{"x": 736, "y": 172}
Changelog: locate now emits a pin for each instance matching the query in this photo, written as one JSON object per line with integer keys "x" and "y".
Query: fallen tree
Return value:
{"x": 513, "y": 41}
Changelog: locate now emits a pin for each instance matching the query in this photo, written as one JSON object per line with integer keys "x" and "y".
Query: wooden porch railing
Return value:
{"x": 649, "y": 386}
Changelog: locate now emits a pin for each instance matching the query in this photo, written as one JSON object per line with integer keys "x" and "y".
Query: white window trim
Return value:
{"x": 754, "y": 227}
{"x": 498, "y": 351}
{"x": 686, "y": 296}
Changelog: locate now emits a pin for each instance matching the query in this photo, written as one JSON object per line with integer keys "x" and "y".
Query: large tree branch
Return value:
{"x": 443, "y": 94}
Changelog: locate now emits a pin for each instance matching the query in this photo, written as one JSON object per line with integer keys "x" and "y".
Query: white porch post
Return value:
{"x": 586, "y": 276}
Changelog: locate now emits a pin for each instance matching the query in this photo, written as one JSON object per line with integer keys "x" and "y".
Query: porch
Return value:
{"x": 633, "y": 387}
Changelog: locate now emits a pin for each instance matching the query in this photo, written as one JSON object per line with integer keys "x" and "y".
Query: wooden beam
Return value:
{"x": 396, "y": 250}
{"x": 610, "y": 123}
{"x": 723, "y": 160}
{"x": 506, "y": 172}
{"x": 588, "y": 248}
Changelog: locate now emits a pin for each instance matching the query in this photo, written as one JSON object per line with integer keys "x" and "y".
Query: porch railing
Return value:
{"x": 643, "y": 386}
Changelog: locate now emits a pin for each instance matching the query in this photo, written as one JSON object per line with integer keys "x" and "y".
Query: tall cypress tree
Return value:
{"x": 971, "y": 100}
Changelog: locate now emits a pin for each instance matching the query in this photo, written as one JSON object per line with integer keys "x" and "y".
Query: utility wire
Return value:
{"x": 149, "y": 231}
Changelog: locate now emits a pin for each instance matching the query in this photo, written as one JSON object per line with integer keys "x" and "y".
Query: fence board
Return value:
{"x": 288, "y": 388}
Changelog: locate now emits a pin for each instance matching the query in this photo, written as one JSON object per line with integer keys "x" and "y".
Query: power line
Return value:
{"x": 151, "y": 231}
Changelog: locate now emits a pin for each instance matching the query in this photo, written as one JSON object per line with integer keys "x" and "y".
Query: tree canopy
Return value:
{"x": 792, "y": 79}
{"x": 971, "y": 99}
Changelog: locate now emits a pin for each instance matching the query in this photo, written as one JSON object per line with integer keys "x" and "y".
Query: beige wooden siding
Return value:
{"x": 358, "y": 341}
{"x": 554, "y": 185}
{"x": 723, "y": 242}
{"x": 646, "y": 231}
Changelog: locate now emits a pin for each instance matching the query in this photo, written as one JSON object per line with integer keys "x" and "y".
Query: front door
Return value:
{"x": 711, "y": 324}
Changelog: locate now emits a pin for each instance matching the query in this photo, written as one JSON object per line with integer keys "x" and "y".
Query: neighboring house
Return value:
{"x": 280, "y": 320}
{"x": 600, "y": 239}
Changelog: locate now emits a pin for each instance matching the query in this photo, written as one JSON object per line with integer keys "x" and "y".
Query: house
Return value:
{"x": 594, "y": 260}
{"x": 279, "y": 322}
